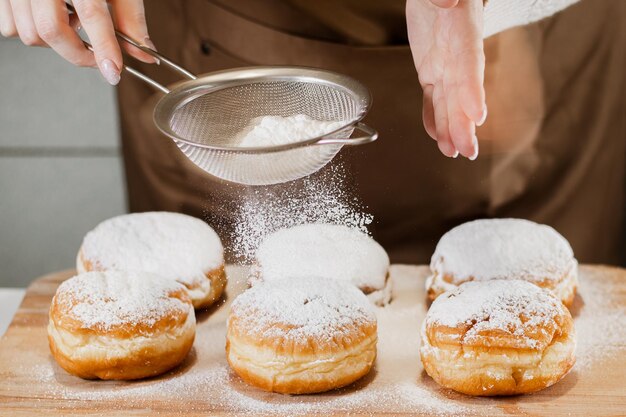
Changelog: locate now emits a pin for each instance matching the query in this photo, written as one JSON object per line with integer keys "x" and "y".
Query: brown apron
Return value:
{"x": 552, "y": 150}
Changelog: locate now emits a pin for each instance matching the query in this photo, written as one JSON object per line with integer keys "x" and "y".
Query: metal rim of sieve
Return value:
{"x": 186, "y": 91}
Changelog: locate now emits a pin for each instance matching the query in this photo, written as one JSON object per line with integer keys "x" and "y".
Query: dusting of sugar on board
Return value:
{"x": 102, "y": 300}
{"x": 278, "y": 130}
{"x": 600, "y": 321}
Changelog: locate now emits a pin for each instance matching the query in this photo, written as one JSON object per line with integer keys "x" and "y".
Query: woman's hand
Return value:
{"x": 447, "y": 45}
{"x": 48, "y": 23}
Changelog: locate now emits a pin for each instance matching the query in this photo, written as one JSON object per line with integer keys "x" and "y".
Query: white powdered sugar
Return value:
{"x": 173, "y": 245}
{"x": 324, "y": 251}
{"x": 300, "y": 308}
{"x": 600, "y": 319}
{"x": 512, "y": 307}
{"x": 502, "y": 248}
{"x": 320, "y": 198}
{"x": 102, "y": 300}
{"x": 278, "y": 130}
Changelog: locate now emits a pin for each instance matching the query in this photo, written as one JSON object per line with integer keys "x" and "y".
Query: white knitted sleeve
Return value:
{"x": 504, "y": 14}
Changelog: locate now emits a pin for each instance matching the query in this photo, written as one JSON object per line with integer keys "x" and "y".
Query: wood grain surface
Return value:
{"x": 31, "y": 383}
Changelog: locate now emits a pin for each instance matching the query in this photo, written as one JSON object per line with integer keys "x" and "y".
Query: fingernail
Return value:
{"x": 475, "y": 154}
{"x": 483, "y": 117}
{"x": 110, "y": 71}
{"x": 148, "y": 42}
{"x": 455, "y": 154}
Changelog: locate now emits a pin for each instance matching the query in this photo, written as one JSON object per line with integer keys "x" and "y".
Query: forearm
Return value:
{"x": 504, "y": 14}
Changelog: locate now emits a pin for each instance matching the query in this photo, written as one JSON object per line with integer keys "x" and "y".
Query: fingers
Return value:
{"x": 96, "y": 21}
{"x": 7, "y": 26}
{"x": 470, "y": 60}
{"x": 471, "y": 70}
{"x": 428, "y": 112}
{"x": 446, "y": 4}
{"x": 53, "y": 26}
{"x": 444, "y": 141}
{"x": 23, "y": 18}
{"x": 130, "y": 18}
{"x": 462, "y": 129}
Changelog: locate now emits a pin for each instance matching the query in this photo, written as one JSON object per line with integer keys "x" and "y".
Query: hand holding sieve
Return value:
{"x": 205, "y": 115}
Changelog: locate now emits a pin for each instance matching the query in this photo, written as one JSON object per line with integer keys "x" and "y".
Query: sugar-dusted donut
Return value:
{"x": 120, "y": 325}
{"x": 497, "y": 337}
{"x": 488, "y": 249}
{"x": 299, "y": 336}
{"x": 177, "y": 246}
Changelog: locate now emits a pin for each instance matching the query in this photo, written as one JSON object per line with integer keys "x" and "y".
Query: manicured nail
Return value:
{"x": 483, "y": 117}
{"x": 448, "y": 150}
{"x": 475, "y": 154}
{"x": 110, "y": 71}
{"x": 148, "y": 42}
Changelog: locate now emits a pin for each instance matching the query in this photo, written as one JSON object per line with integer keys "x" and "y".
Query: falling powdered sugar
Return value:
{"x": 320, "y": 198}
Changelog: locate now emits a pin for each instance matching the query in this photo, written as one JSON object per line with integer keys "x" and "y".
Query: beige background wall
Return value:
{"x": 60, "y": 163}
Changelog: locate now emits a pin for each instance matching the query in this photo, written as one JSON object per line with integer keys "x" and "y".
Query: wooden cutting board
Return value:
{"x": 32, "y": 383}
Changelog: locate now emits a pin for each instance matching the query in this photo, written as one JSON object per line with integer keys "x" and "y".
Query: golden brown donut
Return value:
{"x": 499, "y": 337}
{"x": 173, "y": 245}
{"x": 120, "y": 325}
{"x": 487, "y": 249}
{"x": 301, "y": 336}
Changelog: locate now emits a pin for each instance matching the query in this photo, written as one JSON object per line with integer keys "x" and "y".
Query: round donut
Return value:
{"x": 487, "y": 249}
{"x": 325, "y": 251}
{"x": 173, "y": 245}
{"x": 301, "y": 336}
{"x": 500, "y": 337}
{"x": 120, "y": 325}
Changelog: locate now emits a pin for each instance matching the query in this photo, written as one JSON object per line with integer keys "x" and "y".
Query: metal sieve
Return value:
{"x": 205, "y": 116}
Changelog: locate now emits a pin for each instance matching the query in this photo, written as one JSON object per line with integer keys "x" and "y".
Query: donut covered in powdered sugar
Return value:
{"x": 300, "y": 335}
{"x": 120, "y": 325}
{"x": 325, "y": 251}
{"x": 498, "y": 337}
{"x": 483, "y": 250}
{"x": 173, "y": 245}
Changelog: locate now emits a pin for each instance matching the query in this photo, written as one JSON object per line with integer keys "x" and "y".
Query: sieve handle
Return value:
{"x": 370, "y": 135}
{"x": 161, "y": 58}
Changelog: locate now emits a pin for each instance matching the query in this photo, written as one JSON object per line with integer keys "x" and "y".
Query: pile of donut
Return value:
{"x": 498, "y": 324}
